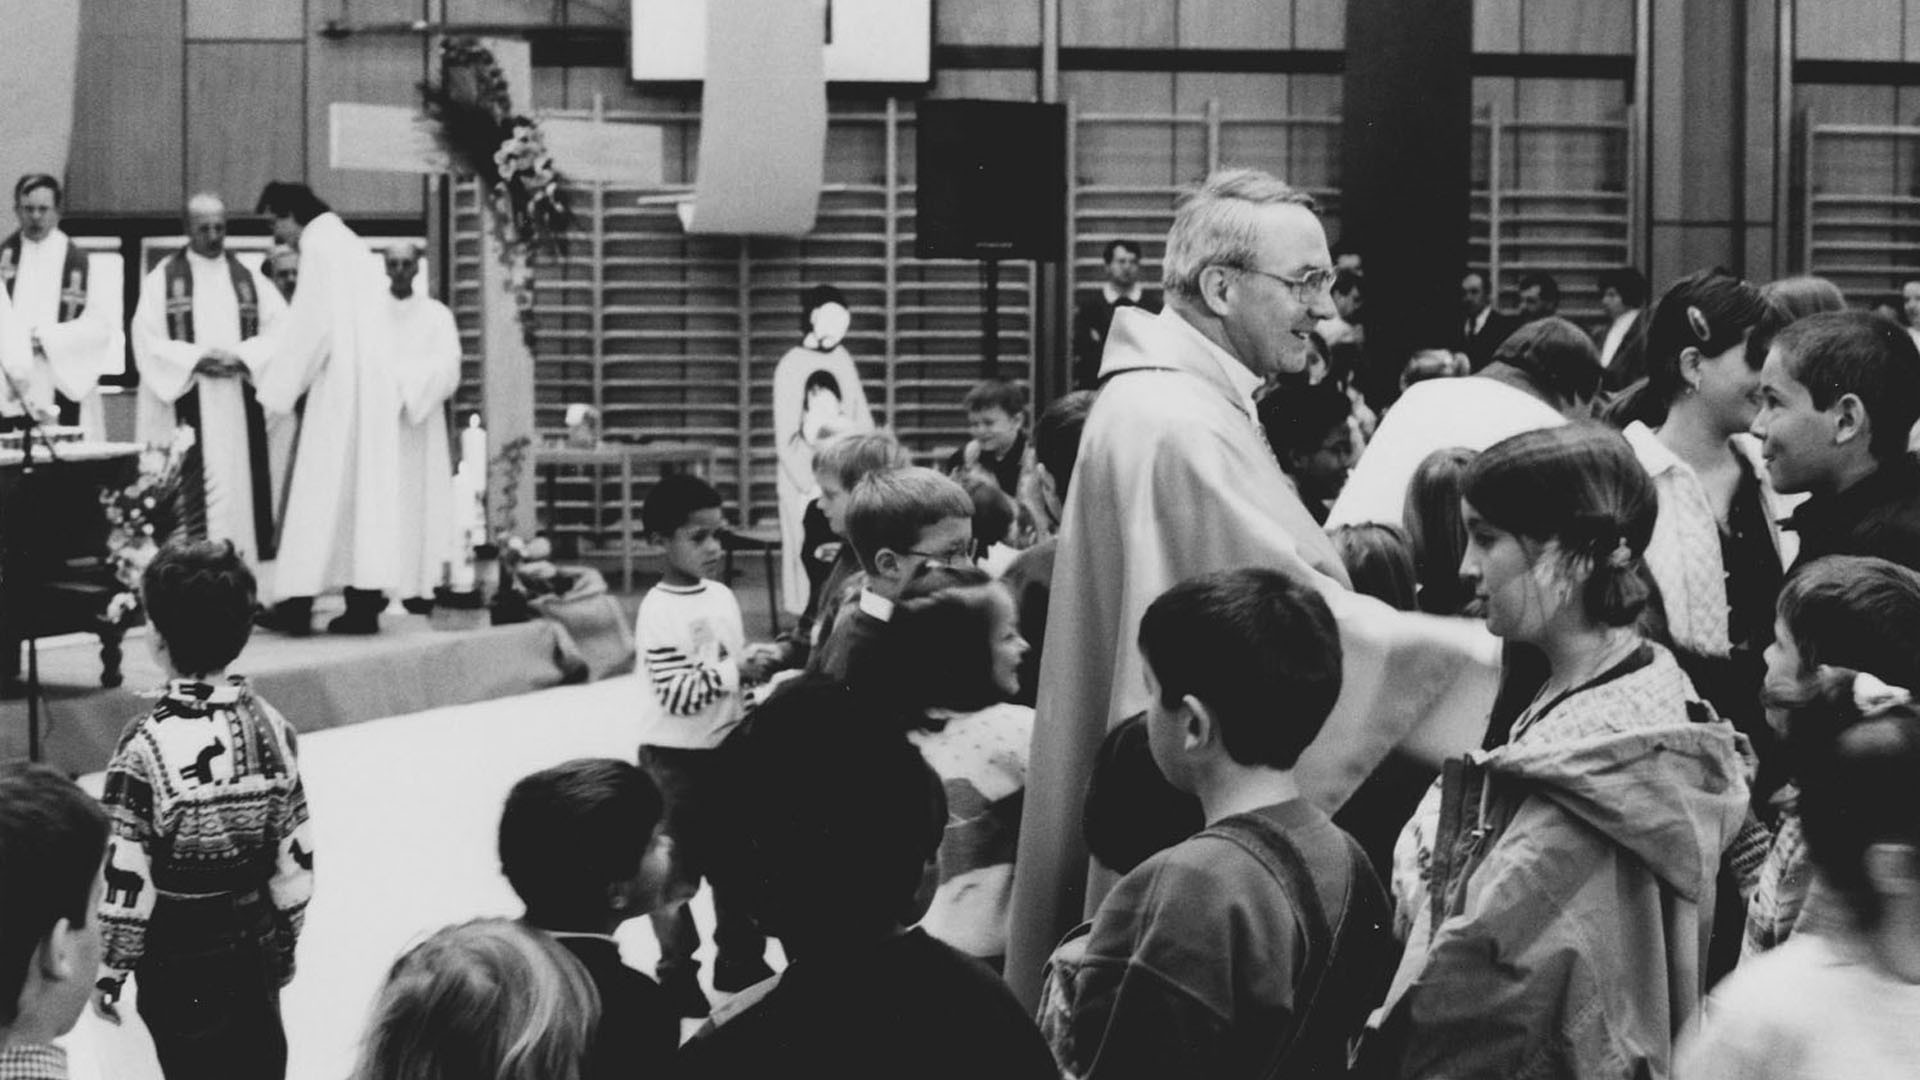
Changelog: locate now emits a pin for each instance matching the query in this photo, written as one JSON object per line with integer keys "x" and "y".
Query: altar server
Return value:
{"x": 200, "y": 342}
{"x": 72, "y": 316}
{"x": 425, "y": 364}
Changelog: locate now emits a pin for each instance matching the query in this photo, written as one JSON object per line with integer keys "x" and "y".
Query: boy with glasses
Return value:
{"x": 898, "y": 521}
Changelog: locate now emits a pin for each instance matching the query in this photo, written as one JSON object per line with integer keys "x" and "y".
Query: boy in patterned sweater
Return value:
{"x": 210, "y": 864}
{"x": 690, "y": 639}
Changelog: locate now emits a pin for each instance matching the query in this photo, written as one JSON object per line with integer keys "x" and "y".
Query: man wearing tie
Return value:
{"x": 72, "y": 321}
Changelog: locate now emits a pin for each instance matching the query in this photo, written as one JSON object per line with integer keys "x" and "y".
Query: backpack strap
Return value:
{"x": 1283, "y": 860}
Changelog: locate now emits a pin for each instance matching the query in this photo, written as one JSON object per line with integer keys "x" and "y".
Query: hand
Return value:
{"x": 754, "y": 668}
{"x": 106, "y": 1000}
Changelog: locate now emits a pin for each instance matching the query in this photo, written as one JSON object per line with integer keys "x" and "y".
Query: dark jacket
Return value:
{"x": 1630, "y": 361}
{"x": 1877, "y": 516}
{"x": 1493, "y": 333}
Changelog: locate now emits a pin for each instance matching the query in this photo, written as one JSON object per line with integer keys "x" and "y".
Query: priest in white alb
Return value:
{"x": 200, "y": 342}
{"x": 425, "y": 364}
{"x": 71, "y": 315}
{"x": 341, "y": 527}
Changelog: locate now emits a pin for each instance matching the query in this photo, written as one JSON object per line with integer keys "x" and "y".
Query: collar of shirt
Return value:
{"x": 203, "y": 695}
{"x": 1113, "y": 293}
{"x": 1243, "y": 381}
{"x": 1479, "y": 322}
{"x": 876, "y": 605}
{"x": 33, "y": 1061}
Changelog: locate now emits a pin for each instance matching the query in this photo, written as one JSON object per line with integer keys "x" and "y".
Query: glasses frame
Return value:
{"x": 1307, "y": 286}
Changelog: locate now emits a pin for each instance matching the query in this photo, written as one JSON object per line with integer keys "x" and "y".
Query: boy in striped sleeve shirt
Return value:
{"x": 691, "y": 639}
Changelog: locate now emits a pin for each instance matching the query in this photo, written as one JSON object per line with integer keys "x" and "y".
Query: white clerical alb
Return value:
{"x": 425, "y": 361}
{"x": 167, "y": 374}
{"x": 340, "y": 528}
{"x": 78, "y": 352}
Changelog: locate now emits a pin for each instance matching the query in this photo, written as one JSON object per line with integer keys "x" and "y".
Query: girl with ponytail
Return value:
{"x": 1597, "y": 813}
{"x": 1717, "y": 554}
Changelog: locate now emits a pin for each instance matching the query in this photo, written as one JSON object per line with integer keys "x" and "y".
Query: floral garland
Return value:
{"x": 146, "y": 514}
{"x": 487, "y": 139}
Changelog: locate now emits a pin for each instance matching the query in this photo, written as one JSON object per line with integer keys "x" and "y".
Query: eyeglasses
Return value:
{"x": 958, "y": 556}
{"x": 1309, "y": 284}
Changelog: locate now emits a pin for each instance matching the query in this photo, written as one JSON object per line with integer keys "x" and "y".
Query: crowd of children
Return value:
{"x": 1699, "y": 772}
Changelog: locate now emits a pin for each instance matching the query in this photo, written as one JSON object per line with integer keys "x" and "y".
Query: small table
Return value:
{"x": 679, "y": 455}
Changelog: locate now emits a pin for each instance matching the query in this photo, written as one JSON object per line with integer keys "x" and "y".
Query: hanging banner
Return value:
{"x": 763, "y": 121}
{"x": 39, "y": 56}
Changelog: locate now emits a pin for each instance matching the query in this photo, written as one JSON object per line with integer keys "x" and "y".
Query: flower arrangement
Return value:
{"x": 487, "y": 139}
{"x": 148, "y": 512}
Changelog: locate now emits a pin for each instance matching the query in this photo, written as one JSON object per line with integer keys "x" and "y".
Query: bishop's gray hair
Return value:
{"x": 1214, "y": 225}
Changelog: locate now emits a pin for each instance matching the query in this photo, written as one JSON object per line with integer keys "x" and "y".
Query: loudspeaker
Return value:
{"x": 992, "y": 180}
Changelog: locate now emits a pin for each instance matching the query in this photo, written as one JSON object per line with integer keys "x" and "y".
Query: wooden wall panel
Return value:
{"x": 244, "y": 110}
{"x": 1320, "y": 24}
{"x": 1124, "y": 153}
{"x": 268, "y": 20}
{"x": 1869, "y": 166}
{"x": 1569, "y": 159}
{"x": 1245, "y": 102}
{"x": 1313, "y": 151}
{"x": 989, "y": 84}
{"x": 1850, "y": 30}
{"x": 502, "y": 12}
{"x": 986, "y": 22}
{"x": 378, "y": 71}
{"x": 127, "y": 108}
{"x": 1577, "y": 26}
{"x": 1235, "y": 24}
{"x": 1912, "y": 52}
{"x": 1148, "y": 24}
{"x": 1496, "y": 25}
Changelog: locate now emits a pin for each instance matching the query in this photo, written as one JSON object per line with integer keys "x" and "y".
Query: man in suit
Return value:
{"x": 1622, "y": 341}
{"x": 1093, "y": 313}
{"x": 1539, "y": 296}
{"x": 1483, "y": 329}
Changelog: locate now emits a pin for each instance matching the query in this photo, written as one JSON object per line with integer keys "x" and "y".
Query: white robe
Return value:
{"x": 16, "y": 358}
{"x": 166, "y": 374}
{"x": 341, "y": 525}
{"x": 78, "y": 352}
{"x": 796, "y": 487}
{"x": 425, "y": 363}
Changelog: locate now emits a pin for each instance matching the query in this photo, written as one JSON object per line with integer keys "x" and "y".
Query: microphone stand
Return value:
{"x": 28, "y": 435}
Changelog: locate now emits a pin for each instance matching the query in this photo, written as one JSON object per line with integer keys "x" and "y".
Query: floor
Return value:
{"x": 404, "y": 817}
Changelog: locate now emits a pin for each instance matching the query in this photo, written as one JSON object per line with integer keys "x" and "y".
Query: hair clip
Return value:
{"x": 1873, "y": 697}
{"x": 1697, "y": 322}
{"x": 1621, "y": 556}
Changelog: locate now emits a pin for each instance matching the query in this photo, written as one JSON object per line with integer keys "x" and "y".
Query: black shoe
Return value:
{"x": 417, "y": 605}
{"x": 731, "y": 978}
{"x": 685, "y": 997}
{"x": 354, "y": 622}
{"x": 363, "y": 612}
{"x": 293, "y": 618}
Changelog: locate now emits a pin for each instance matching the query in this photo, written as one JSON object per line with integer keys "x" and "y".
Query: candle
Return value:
{"x": 473, "y": 446}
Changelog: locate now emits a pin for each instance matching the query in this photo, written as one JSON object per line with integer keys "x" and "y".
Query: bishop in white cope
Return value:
{"x": 200, "y": 342}
{"x": 341, "y": 528}
{"x": 425, "y": 363}
{"x": 71, "y": 316}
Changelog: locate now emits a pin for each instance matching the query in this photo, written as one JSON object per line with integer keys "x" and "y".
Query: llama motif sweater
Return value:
{"x": 206, "y": 804}
{"x": 690, "y": 640}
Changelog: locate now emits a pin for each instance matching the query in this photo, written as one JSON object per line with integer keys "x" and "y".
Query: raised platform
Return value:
{"x": 319, "y": 682}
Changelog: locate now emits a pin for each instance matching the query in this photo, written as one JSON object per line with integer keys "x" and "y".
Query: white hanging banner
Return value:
{"x": 763, "y": 121}
{"x": 39, "y": 61}
{"x": 872, "y": 41}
